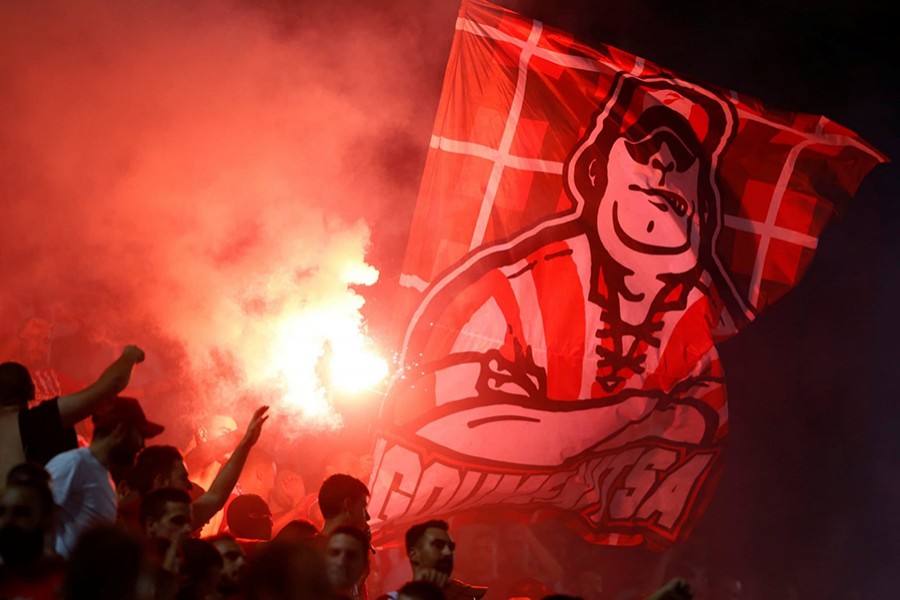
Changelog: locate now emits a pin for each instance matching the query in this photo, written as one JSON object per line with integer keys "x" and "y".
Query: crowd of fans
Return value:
{"x": 116, "y": 518}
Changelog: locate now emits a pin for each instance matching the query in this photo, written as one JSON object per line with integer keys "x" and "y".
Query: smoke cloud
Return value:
{"x": 202, "y": 179}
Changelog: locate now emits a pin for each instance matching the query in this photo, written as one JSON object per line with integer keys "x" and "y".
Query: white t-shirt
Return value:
{"x": 84, "y": 493}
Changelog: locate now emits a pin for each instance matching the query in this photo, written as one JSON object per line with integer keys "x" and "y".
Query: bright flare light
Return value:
{"x": 301, "y": 340}
{"x": 354, "y": 366}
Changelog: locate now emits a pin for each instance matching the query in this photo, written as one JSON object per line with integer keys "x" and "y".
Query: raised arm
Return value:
{"x": 80, "y": 405}
{"x": 214, "y": 499}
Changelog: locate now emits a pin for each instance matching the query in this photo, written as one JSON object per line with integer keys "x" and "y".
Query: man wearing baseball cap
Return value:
{"x": 82, "y": 484}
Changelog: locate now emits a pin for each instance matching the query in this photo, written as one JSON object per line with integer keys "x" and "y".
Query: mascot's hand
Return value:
{"x": 519, "y": 376}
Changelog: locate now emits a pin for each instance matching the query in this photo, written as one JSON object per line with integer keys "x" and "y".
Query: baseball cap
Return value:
{"x": 124, "y": 410}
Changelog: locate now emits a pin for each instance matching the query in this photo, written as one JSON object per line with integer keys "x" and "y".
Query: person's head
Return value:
{"x": 16, "y": 386}
{"x": 343, "y": 500}
{"x": 215, "y": 426}
{"x": 28, "y": 472}
{"x": 297, "y": 530}
{"x": 286, "y": 571}
{"x": 166, "y": 514}
{"x": 200, "y": 570}
{"x": 248, "y": 516}
{"x": 420, "y": 590}
{"x": 106, "y": 564}
{"x": 35, "y": 337}
{"x": 644, "y": 174}
{"x": 346, "y": 556}
{"x": 159, "y": 467}
{"x": 234, "y": 562}
{"x": 121, "y": 422}
{"x": 429, "y": 545}
{"x": 26, "y": 520}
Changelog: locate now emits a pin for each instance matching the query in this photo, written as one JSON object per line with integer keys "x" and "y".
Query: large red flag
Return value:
{"x": 589, "y": 225}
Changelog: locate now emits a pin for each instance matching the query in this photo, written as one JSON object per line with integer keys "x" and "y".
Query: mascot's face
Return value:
{"x": 647, "y": 216}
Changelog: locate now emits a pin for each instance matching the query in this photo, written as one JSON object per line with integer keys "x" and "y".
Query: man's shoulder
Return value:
{"x": 69, "y": 459}
{"x": 47, "y": 412}
{"x": 43, "y": 433}
{"x": 68, "y": 456}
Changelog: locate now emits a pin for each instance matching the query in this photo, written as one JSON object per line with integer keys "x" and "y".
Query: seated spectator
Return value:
{"x": 297, "y": 531}
{"x": 347, "y": 561}
{"x": 248, "y": 517}
{"x": 82, "y": 485}
{"x": 163, "y": 466}
{"x": 201, "y": 569}
{"x": 285, "y": 571}
{"x": 108, "y": 564}
{"x": 28, "y": 570}
{"x": 234, "y": 563}
{"x": 420, "y": 590}
{"x": 40, "y": 433}
{"x": 430, "y": 550}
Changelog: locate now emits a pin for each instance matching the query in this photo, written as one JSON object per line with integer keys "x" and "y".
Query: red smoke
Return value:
{"x": 188, "y": 176}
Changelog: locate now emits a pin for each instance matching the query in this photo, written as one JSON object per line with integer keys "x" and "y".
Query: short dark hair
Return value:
{"x": 28, "y": 471}
{"x": 415, "y": 533}
{"x": 296, "y": 530}
{"x": 45, "y": 496}
{"x": 356, "y": 534}
{"x": 240, "y": 516}
{"x": 153, "y": 505}
{"x": 16, "y": 387}
{"x": 151, "y": 462}
{"x": 422, "y": 590}
{"x": 336, "y": 489}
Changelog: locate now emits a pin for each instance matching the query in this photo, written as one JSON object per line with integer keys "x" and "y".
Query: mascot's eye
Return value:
{"x": 644, "y": 150}
{"x": 641, "y": 152}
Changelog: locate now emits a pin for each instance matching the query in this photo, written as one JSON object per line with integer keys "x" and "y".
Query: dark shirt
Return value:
{"x": 41, "y": 580}
{"x": 43, "y": 434}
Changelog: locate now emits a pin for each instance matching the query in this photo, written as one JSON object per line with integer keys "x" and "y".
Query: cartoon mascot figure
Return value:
{"x": 592, "y": 329}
